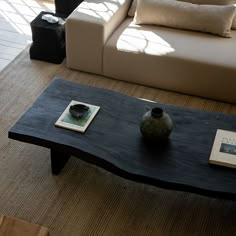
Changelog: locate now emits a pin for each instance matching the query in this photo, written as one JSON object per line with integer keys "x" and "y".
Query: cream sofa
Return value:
{"x": 102, "y": 39}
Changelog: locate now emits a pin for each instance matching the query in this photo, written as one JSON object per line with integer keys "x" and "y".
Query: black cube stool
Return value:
{"x": 48, "y": 40}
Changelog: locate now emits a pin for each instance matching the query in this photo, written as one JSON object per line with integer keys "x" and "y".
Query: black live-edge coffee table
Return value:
{"x": 113, "y": 140}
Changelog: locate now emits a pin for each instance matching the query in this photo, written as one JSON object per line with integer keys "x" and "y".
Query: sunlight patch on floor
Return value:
{"x": 15, "y": 31}
{"x": 19, "y": 13}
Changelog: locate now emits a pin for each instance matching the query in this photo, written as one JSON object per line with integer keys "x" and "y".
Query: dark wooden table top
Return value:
{"x": 113, "y": 140}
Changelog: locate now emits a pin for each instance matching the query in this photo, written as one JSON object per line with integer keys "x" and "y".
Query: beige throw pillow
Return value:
{"x": 133, "y": 7}
{"x": 183, "y": 15}
{"x": 210, "y": 2}
{"x": 214, "y": 2}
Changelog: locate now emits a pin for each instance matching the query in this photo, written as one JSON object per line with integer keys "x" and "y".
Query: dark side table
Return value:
{"x": 48, "y": 40}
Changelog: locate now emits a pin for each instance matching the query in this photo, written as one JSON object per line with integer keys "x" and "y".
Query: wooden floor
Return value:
{"x": 15, "y": 32}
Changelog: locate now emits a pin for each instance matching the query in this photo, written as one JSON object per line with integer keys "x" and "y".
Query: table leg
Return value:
{"x": 58, "y": 161}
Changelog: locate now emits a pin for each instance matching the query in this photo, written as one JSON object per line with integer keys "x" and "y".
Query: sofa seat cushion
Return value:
{"x": 184, "y": 61}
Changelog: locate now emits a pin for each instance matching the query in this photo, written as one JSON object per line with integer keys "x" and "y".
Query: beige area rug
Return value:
{"x": 84, "y": 199}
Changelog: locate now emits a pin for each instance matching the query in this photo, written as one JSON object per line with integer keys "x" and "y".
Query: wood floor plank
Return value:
{"x": 7, "y": 56}
{"x": 2, "y": 19}
{"x": 9, "y": 50}
{"x": 13, "y": 36}
{"x": 7, "y": 27}
{"x": 4, "y": 63}
{"x": 13, "y": 44}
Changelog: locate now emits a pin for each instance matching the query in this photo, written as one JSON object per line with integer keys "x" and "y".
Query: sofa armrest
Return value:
{"x": 87, "y": 30}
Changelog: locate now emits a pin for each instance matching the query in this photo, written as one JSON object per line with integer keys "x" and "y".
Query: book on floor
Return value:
{"x": 80, "y": 124}
{"x": 224, "y": 149}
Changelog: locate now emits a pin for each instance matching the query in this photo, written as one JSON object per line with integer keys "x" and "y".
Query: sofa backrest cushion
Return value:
{"x": 183, "y": 15}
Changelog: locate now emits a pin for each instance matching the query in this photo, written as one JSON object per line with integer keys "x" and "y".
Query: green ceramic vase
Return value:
{"x": 156, "y": 125}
